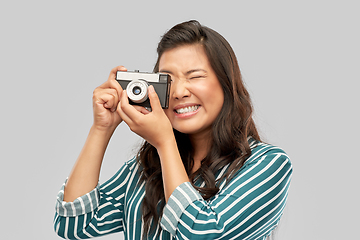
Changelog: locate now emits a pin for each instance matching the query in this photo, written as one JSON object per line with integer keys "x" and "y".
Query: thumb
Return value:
{"x": 154, "y": 99}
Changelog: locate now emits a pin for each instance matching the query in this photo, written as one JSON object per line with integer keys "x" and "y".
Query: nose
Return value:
{"x": 179, "y": 89}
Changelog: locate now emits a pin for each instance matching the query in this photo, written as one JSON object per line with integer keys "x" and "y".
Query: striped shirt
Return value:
{"x": 247, "y": 207}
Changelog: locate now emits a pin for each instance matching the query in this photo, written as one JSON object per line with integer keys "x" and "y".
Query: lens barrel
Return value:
{"x": 137, "y": 91}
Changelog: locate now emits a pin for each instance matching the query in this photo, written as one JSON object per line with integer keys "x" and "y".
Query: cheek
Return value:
{"x": 214, "y": 96}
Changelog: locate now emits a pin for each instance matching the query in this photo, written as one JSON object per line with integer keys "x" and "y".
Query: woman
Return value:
{"x": 202, "y": 173}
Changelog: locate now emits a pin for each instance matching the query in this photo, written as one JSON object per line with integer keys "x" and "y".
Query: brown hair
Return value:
{"x": 230, "y": 130}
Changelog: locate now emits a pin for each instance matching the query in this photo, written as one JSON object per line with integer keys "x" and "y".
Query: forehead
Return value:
{"x": 184, "y": 57}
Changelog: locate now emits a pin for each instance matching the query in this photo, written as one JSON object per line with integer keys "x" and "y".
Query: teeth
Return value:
{"x": 187, "y": 109}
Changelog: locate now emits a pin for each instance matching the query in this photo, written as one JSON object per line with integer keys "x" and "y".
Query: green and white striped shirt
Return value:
{"x": 247, "y": 207}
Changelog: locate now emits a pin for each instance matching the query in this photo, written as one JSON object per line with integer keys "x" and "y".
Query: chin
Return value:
{"x": 191, "y": 130}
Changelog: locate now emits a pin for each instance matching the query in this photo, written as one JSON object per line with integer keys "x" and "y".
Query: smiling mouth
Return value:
{"x": 187, "y": 109}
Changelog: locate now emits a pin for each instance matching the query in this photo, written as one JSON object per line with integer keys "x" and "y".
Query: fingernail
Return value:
{"x": 151, "y": 89}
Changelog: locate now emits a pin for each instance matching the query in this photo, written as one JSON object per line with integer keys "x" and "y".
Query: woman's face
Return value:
{"x": 196, "y": 96}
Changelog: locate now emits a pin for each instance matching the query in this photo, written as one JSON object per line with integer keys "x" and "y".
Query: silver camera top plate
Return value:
{"x": 130, "y": 76}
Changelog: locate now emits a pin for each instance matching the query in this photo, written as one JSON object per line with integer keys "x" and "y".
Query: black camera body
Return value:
{"x": 136, "y": 85}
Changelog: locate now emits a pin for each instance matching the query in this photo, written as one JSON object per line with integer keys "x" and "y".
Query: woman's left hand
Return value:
{"x": 153, "y": 126}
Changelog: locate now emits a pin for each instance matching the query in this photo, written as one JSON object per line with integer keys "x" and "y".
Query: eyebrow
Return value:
{"x": 195, "y": 70}
{"x": 187, "y": 73}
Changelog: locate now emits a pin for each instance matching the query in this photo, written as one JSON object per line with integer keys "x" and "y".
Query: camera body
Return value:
{"x": 136, "y": 84}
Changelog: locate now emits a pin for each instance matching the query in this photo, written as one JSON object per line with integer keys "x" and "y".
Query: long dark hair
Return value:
{"x": 230, "y": 130}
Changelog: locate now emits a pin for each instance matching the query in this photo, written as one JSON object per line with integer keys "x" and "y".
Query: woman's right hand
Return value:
{"x": 106, "y": 99}
{"x": 85, "y": 174}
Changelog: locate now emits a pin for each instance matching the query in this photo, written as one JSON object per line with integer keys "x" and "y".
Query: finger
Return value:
{"x": 123, "y": 115}
{"x": 113, "y": 84}
{"x": 154, "y": 99}
{"x": 112, "y": 77}
{"x": 115, "y": 69}
{"x": 128, "y": 109}
{"x": 141, "y": 109}
{"x": 123, "y": 102}
{"x": 108, "y": 97}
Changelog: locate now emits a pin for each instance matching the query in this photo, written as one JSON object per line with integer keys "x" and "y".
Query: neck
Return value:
{"x": 201, "y": 146}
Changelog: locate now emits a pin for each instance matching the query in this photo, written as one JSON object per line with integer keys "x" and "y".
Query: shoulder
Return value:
{"x": 265, "y": 152}
{"x": 266, "y": 160}
{"x": 132, "y": 163}
{"x": 124, "y": 176}
{"x": 129, "y": 166}
{"x": 268, "y": 167}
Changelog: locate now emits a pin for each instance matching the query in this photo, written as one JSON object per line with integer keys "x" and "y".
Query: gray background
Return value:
{"x": 300, "y": 61}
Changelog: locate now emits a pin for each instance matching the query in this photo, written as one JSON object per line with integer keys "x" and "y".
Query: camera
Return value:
{"x": 136, "y": 84}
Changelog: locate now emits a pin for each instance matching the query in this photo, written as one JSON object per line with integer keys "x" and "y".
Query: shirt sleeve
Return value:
{"x": 248, "y": 207}
{"x": 96, "y": 213}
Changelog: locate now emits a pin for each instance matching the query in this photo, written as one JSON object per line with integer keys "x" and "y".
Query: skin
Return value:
{"x": 194, "y": 83}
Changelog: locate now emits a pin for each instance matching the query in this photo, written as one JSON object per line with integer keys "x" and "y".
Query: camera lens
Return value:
{"x": 136, "y": 90}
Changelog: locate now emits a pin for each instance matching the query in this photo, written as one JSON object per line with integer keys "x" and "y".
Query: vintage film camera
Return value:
{"x": 136, "y": 84}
